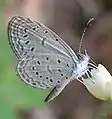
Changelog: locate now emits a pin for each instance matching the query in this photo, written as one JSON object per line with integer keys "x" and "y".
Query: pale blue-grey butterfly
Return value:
{"x": 45, "y": 60}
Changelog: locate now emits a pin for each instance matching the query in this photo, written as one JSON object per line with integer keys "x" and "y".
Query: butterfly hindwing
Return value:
{"x": 44, "y": 70}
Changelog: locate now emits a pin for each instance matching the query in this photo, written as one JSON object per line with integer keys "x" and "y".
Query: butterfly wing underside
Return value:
{"x": 38, "y": 71}
{"x": 28, "y": 37}
{"x": 45, "y": 60}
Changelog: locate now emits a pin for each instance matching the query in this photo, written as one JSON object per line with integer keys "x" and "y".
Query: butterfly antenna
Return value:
{"x": 82, "y": 37}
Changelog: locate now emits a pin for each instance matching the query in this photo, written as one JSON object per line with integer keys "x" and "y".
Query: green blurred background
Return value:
{"x": 14, "y": 94}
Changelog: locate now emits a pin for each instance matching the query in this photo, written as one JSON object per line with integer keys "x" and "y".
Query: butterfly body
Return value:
{"x": 82, "y": 65}
{"x": 44, "y": 59}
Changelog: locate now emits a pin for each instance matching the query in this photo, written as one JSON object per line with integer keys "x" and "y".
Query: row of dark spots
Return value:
{"x": 61, "y": 73}
{"x": 47, "y": 58}
{"x": 38, "y": 62}
{"x": 27, "y": 42}
{"x": 47, "y": 32}
{"x": 59, "y": 61}
{"x": 43, "y": 41}
{"x": 33, "y": 68}
{"x": 51, "y": 80}
{"x": 26, "y": 35}
{"x": 38, "y": 73}
{"x": 34, "y": 28}
{"x": 40, "y": 84}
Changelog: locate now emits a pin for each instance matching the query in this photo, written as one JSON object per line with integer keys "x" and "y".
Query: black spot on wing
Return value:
{"x": 32, "y": 49}
{"x": 36, "y": 73}
{"x": 27, "y": 42}
{"x": 40, "y": 76}
{"x": 59, "y": 61}
{"x": 25, "y": 35}
{"x": 51, "y": 80}
{"x": 47, "y": 58}
{"x": 38, "y": 62}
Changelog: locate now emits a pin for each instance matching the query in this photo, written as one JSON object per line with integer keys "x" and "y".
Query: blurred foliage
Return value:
{"x": 14, "y": 94}
{"x": 2, "y": 3}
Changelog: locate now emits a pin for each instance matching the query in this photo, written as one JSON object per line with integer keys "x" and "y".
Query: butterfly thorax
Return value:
{"x": 82, "y": 65}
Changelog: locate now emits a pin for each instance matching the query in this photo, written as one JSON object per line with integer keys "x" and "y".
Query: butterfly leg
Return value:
{"x": 80, "y": 79}
{"x": 89, "y": 75}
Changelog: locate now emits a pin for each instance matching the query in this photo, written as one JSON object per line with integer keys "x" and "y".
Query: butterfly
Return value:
{"x": 44, "y": 59}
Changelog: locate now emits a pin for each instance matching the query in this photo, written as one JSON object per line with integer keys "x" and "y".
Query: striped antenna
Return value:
{"x": 85, "y": 29}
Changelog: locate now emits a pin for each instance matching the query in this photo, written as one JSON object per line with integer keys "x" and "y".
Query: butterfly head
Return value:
{"x": 83, "y": 62}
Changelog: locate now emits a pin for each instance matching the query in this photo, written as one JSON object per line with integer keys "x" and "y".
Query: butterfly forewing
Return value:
{"x": 27, "y": 37}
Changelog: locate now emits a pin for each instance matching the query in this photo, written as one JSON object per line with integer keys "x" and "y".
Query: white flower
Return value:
{"x": 101, "y": 88}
